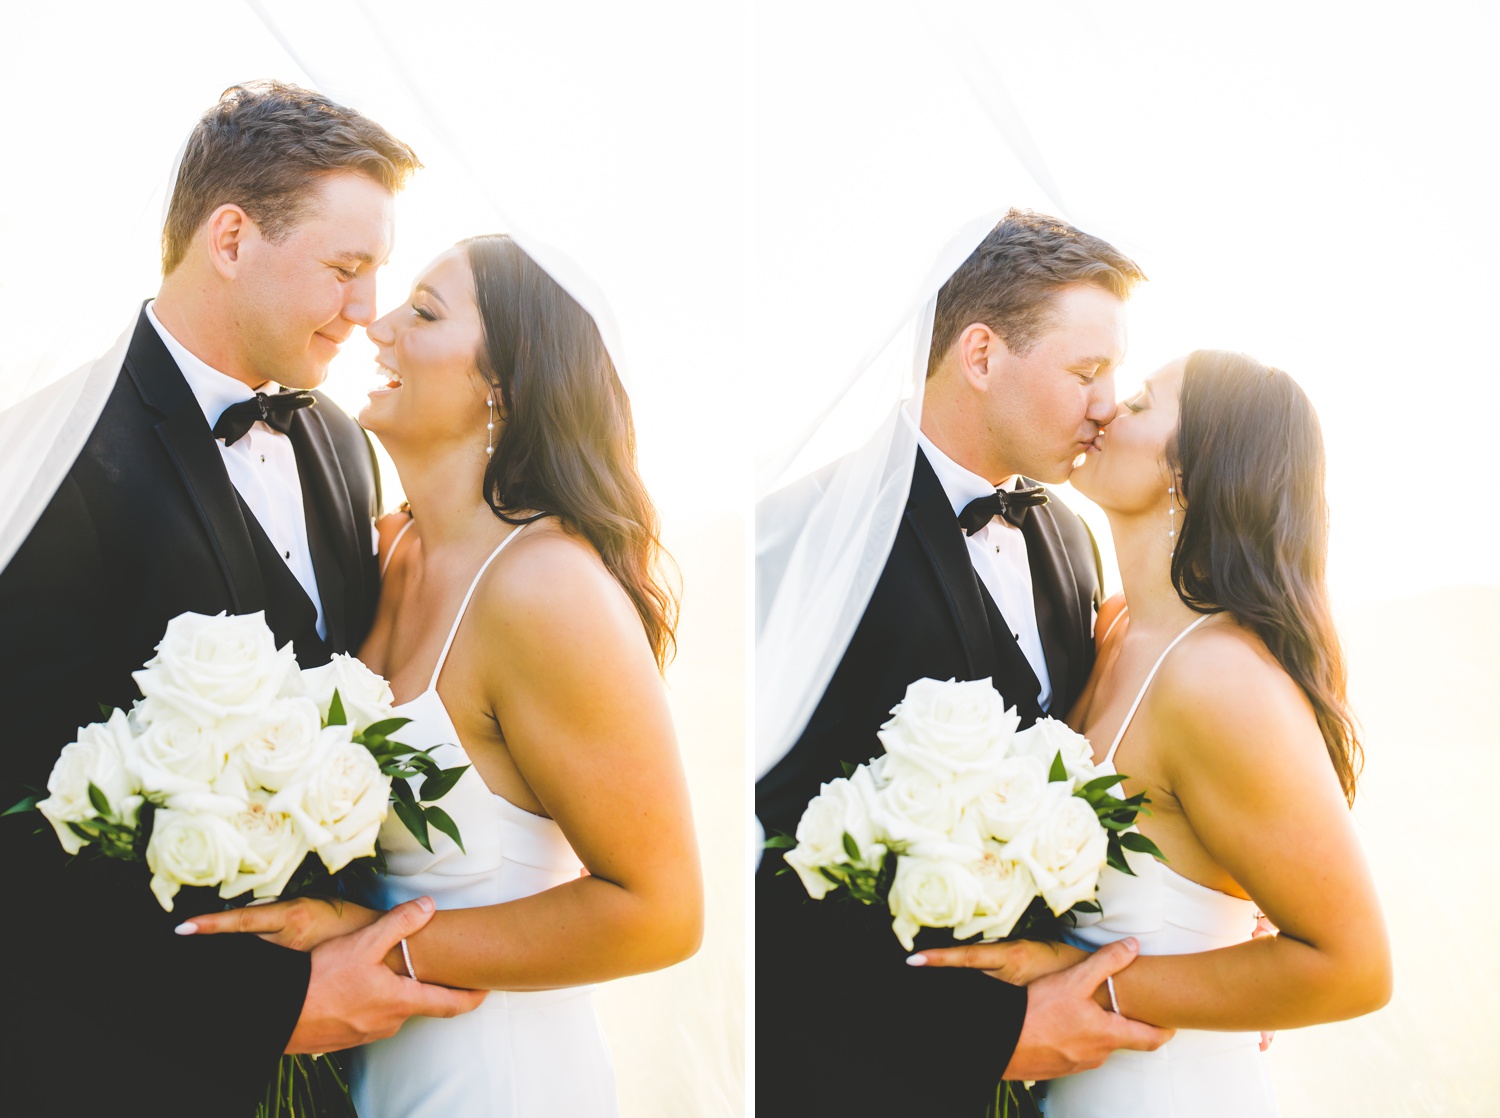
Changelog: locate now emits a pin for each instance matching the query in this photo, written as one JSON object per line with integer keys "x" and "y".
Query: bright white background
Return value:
{"x": 1312, "y": 184}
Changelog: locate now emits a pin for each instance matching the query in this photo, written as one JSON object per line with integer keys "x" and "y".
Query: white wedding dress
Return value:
{"x": 1196, "y": 1074}
{"x": 521, "y": 1054}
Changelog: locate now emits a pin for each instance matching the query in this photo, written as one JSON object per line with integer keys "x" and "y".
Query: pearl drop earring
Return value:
{"x": 1171, "y": 512}
{"x": 489, "y": 438}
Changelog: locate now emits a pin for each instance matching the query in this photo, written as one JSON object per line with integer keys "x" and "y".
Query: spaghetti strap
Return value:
{"x": 453, "y": 632}
{"x": 395, "y": 543}
{"x": 1123, "y": 611}
{"x": 1141, "y": 694}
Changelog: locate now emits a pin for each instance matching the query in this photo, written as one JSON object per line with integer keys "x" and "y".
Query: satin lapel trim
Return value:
{"x": 1054, "y": 592}
{"x": 326, "y": 508}
{"x": 937, "y": 530}
{"x": 190, "y": 445}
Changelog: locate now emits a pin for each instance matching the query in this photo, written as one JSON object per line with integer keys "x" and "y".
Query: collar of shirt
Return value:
{"x": 213, "y": 390}
{"x": 960, "y": 485}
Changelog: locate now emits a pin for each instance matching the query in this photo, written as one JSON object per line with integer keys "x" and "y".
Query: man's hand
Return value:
{"x": 353, "y": 998}
{"x": 1066, "y": 1031}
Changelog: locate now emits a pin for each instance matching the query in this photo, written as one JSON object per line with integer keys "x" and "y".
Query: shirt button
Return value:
{"x": 262, "y": 457}
{"x": 286, "y": 554}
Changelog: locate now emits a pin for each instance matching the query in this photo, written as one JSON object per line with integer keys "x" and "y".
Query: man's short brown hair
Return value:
{"x": 263, "y": 148}
{"x": 1008, "y": 282}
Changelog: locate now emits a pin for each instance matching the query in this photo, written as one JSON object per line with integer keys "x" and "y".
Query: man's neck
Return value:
{"x": 965, "y": 452}
{"x": 193, "y": 323}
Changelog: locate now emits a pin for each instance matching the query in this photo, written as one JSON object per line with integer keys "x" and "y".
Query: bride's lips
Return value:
{"x": 393, "y": 381}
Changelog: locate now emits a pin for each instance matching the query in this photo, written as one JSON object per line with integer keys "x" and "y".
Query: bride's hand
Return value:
{"x": 301, "y": 924}
{"x": 1019, "y": 962}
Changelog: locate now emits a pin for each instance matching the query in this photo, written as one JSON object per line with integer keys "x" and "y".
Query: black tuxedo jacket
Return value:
{"x": 101, "y": 1001}
{"x": 842, "y": 1025}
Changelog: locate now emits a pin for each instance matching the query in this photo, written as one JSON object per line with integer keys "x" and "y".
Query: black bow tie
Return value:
{"x": 275, "y": 411}
{"x": 1012, "y": 506}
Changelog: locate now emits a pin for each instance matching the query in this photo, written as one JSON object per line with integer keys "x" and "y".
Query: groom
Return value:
{"x": 986, "y": 579}
{"x": 200, "y": 488}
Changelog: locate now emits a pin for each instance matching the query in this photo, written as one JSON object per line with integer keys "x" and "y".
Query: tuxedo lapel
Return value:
{"x": 331, "y": 532}
{"x": 1059, "y": 618}
{"x": 190, "y": 446}
{"x": 936, "y": 528}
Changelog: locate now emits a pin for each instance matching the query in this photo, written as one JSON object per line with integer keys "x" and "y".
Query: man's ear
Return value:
{"x": 228, "y": 233}
{"x": 977, "y": 349}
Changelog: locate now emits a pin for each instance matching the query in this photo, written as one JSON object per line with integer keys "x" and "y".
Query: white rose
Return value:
{"x": 1064, "y": 847}
{"x": 211, "y": 668}
{"x": 191, "y": 849}
{"x": 917, "y": 805}
{"x": 274, "y": 848}
{"x": 101, "y": 757}
{"x": 1047, "y": 738}
{"x": 178, "y": 756}
{"x": 841, "y": 807}
{"x": 950, "y": 728}
{"x": 275, "y": 745}
{"x": 931, "y": 893}
{"x": 339, "y": 799}
{"x": 1014, "y": 794}
{"x": 365, "y": 696}
{"x": 1006, "y": 891}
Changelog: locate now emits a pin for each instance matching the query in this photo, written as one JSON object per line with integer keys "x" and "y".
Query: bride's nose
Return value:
{"x": 381, "y": 332}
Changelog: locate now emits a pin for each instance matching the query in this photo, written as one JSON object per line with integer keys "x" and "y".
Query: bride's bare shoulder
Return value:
{"x": 1223, "y": 684}
{"x": 554, "y": 579}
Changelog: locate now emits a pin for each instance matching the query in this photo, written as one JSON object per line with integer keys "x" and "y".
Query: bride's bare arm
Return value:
{"x": 1241, "y": 753}
{"x": 572, "y": 681}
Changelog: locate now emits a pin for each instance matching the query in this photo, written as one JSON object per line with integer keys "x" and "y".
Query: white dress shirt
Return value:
{"x": 261, "y": 464}
{"x": 998, "y": 552}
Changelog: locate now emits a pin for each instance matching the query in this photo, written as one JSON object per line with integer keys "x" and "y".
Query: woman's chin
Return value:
{"x": 375, "y": 416}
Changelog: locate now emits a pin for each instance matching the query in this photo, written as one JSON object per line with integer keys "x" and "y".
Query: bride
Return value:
{"x": 1219, "y": 689}
{"x": 523, "y": 629}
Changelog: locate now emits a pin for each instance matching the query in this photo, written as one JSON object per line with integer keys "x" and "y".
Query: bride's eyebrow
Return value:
{"x": 429, "y": 289}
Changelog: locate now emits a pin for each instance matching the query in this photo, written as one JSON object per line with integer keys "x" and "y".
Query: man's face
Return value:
{"x": 1045, "y": 407}
{"x": 298, "y": 300}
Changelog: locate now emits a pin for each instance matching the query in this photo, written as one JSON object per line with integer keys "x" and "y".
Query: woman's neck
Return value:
{"x": 1144, "y": 553}
{"x": 445, "y": 489}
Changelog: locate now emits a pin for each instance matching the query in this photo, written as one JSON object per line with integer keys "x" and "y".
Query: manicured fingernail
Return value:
{"x": 424, "y": 903}
{"x": 186, "y": 929}
{"x": 916, "y": 960}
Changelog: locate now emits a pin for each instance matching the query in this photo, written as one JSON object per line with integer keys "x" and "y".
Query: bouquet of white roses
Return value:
{"x": 240, "y": 772}
{"x": 967, "y": 822}
{"x": 235, "y": 766}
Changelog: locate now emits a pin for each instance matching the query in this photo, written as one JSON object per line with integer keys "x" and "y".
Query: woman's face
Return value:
{"x": 1125, "y": 469}
{"x": 428, "y": 357}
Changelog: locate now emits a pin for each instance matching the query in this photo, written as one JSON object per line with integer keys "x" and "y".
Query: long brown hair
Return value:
{"x": 567, "y": 447}
{"x": 1248, "y": 455}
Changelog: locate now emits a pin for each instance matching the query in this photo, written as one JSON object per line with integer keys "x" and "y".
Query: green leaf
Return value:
{"x": 1101, "y": 783}
{"x": 416, "y": 822}
{"x": 851, "y": 847}
{"x": 336, "y": 715}
{"x": 444, "y": 822}
{"x": 779, "y": 842}
{"x": 436, "y": 787}
{"x": 99, "y": 800}
{"x": 106, "y": 710}
{"x": 1116, "y": 857}
{"x": 1059, "y": 771}
{"x": 1086, "y": 906}
{"x": 1138, "y": 842}
{"x": 386, "y": 727}
{"x": 28, "y": 804}
{"x": 403, "y": 793}
{"x": 848, "y": 769}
